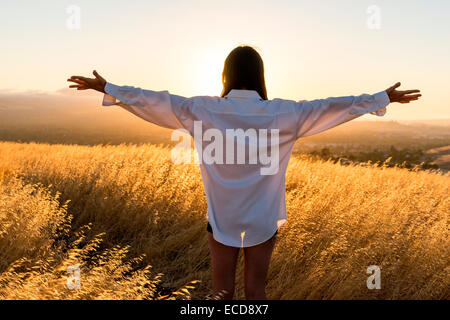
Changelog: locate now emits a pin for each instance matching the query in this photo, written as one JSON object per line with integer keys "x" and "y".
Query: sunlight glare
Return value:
{"x": 208, "y": 72}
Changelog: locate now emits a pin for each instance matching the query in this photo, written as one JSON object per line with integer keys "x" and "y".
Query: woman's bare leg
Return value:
{"x": 223, "y": 263}
{"x": 257, "y": 259}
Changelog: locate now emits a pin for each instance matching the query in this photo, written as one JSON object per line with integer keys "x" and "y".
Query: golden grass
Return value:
{"x": 115, "y": 210}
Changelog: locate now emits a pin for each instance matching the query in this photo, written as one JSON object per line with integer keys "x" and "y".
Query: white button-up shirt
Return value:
{"x": 245, "y": 207}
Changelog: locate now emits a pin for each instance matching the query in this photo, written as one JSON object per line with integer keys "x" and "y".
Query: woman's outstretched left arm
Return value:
{"x": 158, "y": 107}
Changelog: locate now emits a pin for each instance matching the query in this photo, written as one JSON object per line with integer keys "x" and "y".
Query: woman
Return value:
{"x": 246, "y": 198}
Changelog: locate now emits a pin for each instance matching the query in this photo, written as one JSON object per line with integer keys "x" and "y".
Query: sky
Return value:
{"x": 311, "y": 49}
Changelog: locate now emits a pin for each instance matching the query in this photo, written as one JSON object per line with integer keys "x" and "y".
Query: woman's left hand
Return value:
{"x": 82, "y": 83}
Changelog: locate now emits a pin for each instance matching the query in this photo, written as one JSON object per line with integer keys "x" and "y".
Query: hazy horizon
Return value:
{"x": 14, "y": 99}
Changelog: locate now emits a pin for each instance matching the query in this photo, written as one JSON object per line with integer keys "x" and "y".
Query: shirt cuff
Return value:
{"x": 383, "y": 100}
{"x": 108, "y": 98}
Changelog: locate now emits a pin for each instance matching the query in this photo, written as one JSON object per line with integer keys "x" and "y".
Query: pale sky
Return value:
{"x": 311, "y": 49}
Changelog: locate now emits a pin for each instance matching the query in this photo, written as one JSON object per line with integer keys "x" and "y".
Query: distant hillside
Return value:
{"x": 79, "y": 118}
{"x": 436, "y": 122}
{"x": 72, "y": 120}
{"x": 441, "y": 157}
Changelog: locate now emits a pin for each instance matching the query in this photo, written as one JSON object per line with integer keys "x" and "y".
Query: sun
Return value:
{"x": 208, "y": 71}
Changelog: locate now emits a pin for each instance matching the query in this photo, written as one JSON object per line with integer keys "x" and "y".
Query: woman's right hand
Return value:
{"x": 402, "y": 96}
{"x": 82, "y": 83}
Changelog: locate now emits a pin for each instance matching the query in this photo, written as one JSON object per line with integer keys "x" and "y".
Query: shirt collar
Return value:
{"x": 247, "y": 94}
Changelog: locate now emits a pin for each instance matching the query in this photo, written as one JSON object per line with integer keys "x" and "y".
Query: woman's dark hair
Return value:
{"x": 244, "y": 69}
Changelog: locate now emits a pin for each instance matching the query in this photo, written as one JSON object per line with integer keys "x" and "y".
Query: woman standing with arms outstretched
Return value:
{"x": 246, "y": 198}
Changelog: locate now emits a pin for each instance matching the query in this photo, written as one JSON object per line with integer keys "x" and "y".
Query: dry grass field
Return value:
{"x": 134, "y": 223}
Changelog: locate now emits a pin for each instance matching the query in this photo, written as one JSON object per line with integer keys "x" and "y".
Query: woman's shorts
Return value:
{"x": 209, "y": 229}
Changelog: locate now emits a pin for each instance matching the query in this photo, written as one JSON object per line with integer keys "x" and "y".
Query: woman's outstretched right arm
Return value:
{"x": 319, "y": 115}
